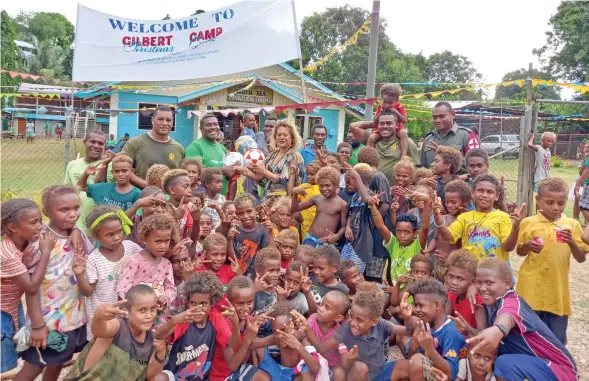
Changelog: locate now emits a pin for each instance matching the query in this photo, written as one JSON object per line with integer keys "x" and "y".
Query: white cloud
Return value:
{"x": 496, "y": 36}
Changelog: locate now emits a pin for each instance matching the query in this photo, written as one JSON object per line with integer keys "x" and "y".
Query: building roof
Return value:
{"x": 200, "y": 87}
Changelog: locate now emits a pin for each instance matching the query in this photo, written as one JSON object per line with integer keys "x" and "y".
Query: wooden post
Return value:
{"x": 526, "y": 159}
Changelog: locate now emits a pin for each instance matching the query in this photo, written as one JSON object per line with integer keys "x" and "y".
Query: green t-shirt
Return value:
{"x": 146, "y": 152}
{"x": 210, "y": 154}
{"x": 587, "y": 165}
{"x": 354, "y": 156}
{"x": 111, "y": 142}
{"x": 106, "y": 193}
{"x": 401, "y": 256}
{"x": 73, "y": 172}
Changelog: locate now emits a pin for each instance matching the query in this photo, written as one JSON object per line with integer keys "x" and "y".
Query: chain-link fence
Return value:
{"x": 501, "y": 140}
{"x": 28, "y": 167}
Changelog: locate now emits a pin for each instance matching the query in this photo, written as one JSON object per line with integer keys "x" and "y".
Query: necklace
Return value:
{"x": 478, "y": 224}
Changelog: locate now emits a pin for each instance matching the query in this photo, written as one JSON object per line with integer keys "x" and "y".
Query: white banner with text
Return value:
{"x": 241, "y": 37}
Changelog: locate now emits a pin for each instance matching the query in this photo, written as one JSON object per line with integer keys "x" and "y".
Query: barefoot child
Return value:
{"x": 58, "y": 305}
{"x": 124, "y": 347}
{"x": 332, "y": 212}
{"x": 21, "y": 226}
{"x": 98, "y": 275}
{"x": 149, "y": 267}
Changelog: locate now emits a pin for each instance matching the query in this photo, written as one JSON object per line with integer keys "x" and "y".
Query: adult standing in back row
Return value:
{"x": 446, "y": 133}
{"x": 210, "y": 152}
{"x": 154, "y": 147}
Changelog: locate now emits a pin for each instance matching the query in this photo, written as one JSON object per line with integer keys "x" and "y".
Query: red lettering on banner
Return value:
{"x": 207, "y": 35}
{"x": 147, "y": 41}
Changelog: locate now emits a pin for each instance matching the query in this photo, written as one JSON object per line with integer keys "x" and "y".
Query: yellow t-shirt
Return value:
{"x": 543, "y": 279}
{"x": 308, "y": 215}
{"x": 482, "y": 234}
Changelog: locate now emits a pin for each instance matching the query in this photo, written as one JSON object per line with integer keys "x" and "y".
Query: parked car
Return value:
{"x": 494, "y": 144}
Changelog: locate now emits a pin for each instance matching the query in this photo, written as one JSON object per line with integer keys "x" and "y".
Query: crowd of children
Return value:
{"x": 177, "y": 282}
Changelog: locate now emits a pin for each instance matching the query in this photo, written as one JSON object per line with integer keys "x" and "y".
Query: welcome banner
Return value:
{"x": 240, "y": 37}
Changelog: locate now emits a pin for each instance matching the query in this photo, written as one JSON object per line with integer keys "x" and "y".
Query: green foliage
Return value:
{"x": 566, "y": 51}
{"x": 449, "y": 67}
{"x": 48, "y": 60}
{"x": 53, "y": 27}
{"x": 516, "y": 92}
{"x": 556, "y": 161}
{"x": 10, "y": 54}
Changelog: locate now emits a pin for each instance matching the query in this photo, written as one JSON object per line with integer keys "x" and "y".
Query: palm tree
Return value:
{"x": 48, "y": 60}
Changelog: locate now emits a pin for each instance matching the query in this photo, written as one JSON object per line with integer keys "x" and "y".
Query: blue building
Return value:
{"x": 278, "y": 85}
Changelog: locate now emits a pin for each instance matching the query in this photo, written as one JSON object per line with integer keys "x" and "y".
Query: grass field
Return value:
{"x": 28, "y": 168}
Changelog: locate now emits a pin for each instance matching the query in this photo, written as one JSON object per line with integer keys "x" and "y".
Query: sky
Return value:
{"x": 497, "y": 36}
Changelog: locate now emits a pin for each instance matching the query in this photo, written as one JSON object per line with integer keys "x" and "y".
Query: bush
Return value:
{"x": 556, "y": 161}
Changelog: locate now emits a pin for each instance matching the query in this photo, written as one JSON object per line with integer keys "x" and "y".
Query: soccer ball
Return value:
{"x": 254, "y": 157}
{"x": 244, "y": 144}
{"x": 233, "y": 159}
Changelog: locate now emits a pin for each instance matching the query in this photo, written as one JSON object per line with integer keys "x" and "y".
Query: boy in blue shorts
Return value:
{"x": 361, "y": 340}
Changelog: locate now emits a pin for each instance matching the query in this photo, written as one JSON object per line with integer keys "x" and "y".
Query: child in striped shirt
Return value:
{"x": 98, "y": 274}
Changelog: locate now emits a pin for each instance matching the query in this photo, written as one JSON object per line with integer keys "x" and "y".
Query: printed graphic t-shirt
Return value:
{"x": 246, "y": 244}
{"x": 401, "y": 256}
{"x": 194, "y": 349}
{"x": 106, "y": 193}
{"x": 542, "y": 156}
{"x": 482, "y": 234}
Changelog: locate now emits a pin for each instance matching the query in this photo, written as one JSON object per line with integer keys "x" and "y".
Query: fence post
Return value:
{"x": 525, "y": 179}
{"x": 68, "y": 133}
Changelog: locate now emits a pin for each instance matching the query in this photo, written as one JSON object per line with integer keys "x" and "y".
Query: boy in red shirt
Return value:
{"x": 390, "y": 94}
{"x": 462, "y": 270}
{"x": 215, "y": 249}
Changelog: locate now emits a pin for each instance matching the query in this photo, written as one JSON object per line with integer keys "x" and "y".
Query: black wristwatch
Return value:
{"x": 502, "y": 329}
{"x": 158, "y": 359}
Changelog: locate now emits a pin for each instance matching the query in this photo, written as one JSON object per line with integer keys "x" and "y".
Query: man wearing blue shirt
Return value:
{"x": 319, "y": 135}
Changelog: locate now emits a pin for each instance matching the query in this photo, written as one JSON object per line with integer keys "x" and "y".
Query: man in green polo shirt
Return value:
{"x": 94, "y": 143}
{"x": 206, "y": 148}
{"x": 447, "y": 133}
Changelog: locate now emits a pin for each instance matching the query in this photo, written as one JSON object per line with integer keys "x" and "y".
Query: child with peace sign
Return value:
{"x": 124, "y": 347}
